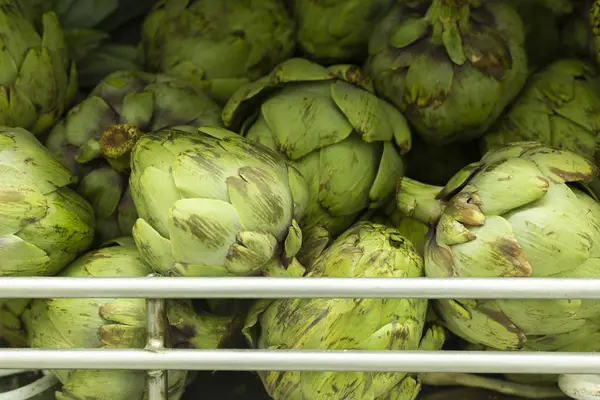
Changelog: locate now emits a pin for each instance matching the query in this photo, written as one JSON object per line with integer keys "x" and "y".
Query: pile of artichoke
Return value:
{"x": 299, "y": 138}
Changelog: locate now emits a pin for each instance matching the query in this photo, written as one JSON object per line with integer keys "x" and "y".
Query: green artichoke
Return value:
{"x": 223, "y": 41}
{"x": 365, "y": 250}
{"x": 560, "y": 106}
{"x": 37, "y": 79}
{"x": 96, "y": 136}
{"x": 116, "y": 323}
{"x": 346, "y": 142}
{"x": 337, "y": 31}
{"x": 91, "y": 33}
{"x": 451, "y": 66}
{"x": 44, "y": 225}
{"x": 212, "y": 203}
{"x": 516, "y": 213}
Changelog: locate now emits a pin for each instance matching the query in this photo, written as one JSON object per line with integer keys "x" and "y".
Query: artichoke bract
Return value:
{"x": 44, "y": 225}
{"x": 560, "y": 106}
{"x": 365, "y": 250}
{"x": 213, "y": 203}
{"x": 522, "y": 211}
{"x": 451, "y": 67}
{"x": 37, "y": 78}
{"x": 96, "y": 137}
{"x": 337, "y": 31}
{"x": 346, "y": 142}
{"x": 117, "y": 323}
{"x": 223, "y": 41}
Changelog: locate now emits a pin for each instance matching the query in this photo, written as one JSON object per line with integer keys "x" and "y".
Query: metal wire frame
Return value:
{"x": 158, "y": 360}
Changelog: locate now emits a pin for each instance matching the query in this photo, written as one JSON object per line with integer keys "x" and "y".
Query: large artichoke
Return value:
{"x": 116, "y": 323}
{"x": 44, "y": 225}
{"x": 450, "y": 66}
{"x": 516, "y": 213}
{"x": 337, "y": 31}
{"x": 560, "y": 106}
{"x": 212, "y": 203}
{"x": 97, "y": 135}
{"x": 223, "y": 41}
{"x": 37, "y": 79}
{"x": 346, "y": 142}
{"x": 365, "y": 250}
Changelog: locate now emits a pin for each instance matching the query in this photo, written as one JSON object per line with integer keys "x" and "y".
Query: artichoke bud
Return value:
{"x": 116, "y": 144}
{"x": 465, "y": 207}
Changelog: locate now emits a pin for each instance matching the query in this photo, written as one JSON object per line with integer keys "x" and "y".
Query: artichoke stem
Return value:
{"x": 497, "y": 385}
{"x": 116, "y": 144}
{"x": 419, "y": 201}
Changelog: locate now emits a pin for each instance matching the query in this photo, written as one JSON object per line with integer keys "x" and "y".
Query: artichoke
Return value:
{"x": 91, "y": 33}
{"x": 96, "y": 136}
{"x": 212, "y": 203}
{"x": 365, "y": 250}
{"x": 516, "y": 213}
{"x": 560, "y": 106}
{"x": 37, "y": 79}
{"x": 44, "y": 225}
{"x": 226, "y": 42}
{"x": 450, "y": 66}
{"x": 116, "y": 323}
{"x": 346, "y": 142}
{"x": 337, "y": 31}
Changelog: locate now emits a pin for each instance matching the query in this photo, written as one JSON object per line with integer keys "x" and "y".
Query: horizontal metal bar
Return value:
{"x": 256, "y": 287}
{"x": 303, "y": 360}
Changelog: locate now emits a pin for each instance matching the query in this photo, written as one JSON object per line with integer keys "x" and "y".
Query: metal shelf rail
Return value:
{"x": 155, "y": 359}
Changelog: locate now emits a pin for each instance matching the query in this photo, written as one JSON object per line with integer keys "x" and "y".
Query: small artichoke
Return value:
{"x": 91, "y": 33}
{"x": 560, "y": 106}
{"x": 337, "y": 31}
{"x": 346, "y": 142}
{"x": 450, "y": 66}
{"x": 44, "y": 225}
{"x": 96, "y": 137}
{"x": 516, "y": 213}
{"x": 212, "y": 203}
{"x": 227, "y": 41}
{"x": 37, "y": 78}
{"x": 116, "y": 323}
{"x": 365, "y": 250}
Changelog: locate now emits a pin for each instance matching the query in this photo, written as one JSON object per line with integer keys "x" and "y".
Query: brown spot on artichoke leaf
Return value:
{"x": 439, "y": 255}
{"x": 270, "y": 207}
{"x": 487, "y": 51}
{"x": 571, "y": 176}
{"x": 178, "y": 337}
{"x": 510, "y": 250}
{"x": 210, "y": 232}
{"x": 503, "y": 320}
{"x": 9, "y": 195}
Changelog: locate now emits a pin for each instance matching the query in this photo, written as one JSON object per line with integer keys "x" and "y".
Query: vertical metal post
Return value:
{"x": 156, "y": 322}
